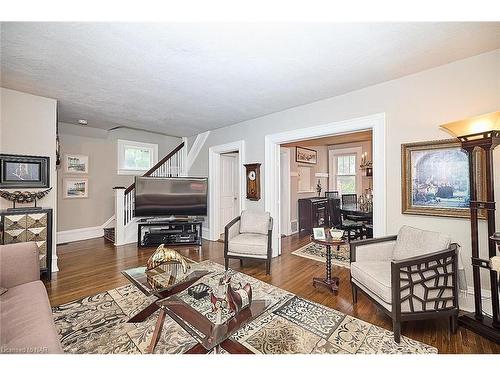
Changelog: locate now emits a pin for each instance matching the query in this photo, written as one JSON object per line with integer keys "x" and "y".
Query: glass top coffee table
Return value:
{"x": 161, "y": 282}
{"x": 208, "y": 334}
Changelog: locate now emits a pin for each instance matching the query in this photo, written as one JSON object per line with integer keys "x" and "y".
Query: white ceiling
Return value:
{"x": 185, "y": 78}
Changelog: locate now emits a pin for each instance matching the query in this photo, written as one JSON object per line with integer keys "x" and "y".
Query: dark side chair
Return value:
{"x": 249, "y": 236}
{"x": 349, "y": 198}
{"x": 411, "y": 276}
{"x": 354, "y": 230}
{"x": 331, "y": 194}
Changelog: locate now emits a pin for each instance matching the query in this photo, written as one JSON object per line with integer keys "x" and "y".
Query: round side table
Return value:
{"x": 330, "y": 282}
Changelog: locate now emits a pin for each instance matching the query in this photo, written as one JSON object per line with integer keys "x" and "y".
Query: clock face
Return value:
{"x": 251, "y": 175}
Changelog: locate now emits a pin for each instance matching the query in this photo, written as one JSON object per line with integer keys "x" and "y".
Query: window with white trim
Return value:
{"x": 345, "y": 173}
{"x": 135, "y": 158}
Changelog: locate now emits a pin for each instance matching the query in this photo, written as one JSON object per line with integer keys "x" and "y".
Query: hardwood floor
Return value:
{"x": 93, "y": 266}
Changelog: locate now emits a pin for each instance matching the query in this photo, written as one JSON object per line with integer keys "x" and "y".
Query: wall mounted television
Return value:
{"x": 170, "y": 196}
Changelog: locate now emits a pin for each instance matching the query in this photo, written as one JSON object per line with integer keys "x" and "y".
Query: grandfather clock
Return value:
{"x": 253, "y": 181}
{"x": 482, "y": 132}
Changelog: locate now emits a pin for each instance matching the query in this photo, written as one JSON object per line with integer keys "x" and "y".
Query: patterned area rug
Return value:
{"x": 318, "y": 252}
{"x": 97, "y": 324}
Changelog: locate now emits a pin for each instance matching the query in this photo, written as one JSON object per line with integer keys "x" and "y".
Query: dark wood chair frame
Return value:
{"x": 401, "y": 271}
{"x": 241, "y": 258}
{"x": 336, "y": 220}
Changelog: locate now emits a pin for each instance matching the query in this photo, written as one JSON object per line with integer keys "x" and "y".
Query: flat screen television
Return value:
{"x": 170, "y": 196}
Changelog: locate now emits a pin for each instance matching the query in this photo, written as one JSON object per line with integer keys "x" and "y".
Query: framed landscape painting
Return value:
{"x": 305, "y": 155}
{"x": 76, "y": 188}
{"x": 435, "y": 179}
{"x": 76, "y": 164}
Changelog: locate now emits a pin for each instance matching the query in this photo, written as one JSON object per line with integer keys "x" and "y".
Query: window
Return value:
{"x": 135, "y": 158}
{"x": 346, "y": 174}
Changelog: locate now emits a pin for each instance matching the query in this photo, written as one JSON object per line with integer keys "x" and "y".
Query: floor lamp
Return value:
{"x": 482, "y": 132}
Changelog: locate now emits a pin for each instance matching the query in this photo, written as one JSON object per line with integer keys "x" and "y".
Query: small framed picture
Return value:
{"x": 319, "y": 233}
{"x": 78, "y": 164}
{"x": 76, "y": 188}
{"x": 305, "y": 155}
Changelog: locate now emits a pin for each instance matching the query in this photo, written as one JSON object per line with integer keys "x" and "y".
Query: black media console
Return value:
{"x": 168, "y": 232}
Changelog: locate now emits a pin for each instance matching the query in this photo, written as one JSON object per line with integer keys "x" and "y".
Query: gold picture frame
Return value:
{"x": 422, "y": 198}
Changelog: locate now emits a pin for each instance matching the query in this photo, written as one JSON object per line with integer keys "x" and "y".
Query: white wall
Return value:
{"x": 414, "y": 106}
{"x": 101, "y": 148}
{"x": 28, "y": 127}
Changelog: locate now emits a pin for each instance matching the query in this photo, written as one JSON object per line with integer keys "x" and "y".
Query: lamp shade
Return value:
{"x": 474, "y": 125}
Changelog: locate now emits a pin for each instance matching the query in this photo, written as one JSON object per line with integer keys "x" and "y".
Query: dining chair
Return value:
{"x": 349, "y": 199}
{"x": 354, "y": 229}
{"x": 331, "y": 194}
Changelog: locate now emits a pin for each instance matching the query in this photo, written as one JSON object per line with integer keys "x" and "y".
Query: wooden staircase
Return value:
{"x": 172, "y": 165}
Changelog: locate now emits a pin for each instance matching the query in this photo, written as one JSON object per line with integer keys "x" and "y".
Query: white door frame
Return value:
{"x": 214, "y": 182}
{"x": 285, "y": 201}
{"x": 375, "y": 123}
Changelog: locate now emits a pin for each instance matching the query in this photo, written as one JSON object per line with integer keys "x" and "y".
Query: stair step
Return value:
{"x": 109, "y": 234}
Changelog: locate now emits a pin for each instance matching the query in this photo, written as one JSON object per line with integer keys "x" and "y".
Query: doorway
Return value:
{"x": 229, "y": 189}
{"x": 215, "y": 156}
{"x": 272, "y": 179}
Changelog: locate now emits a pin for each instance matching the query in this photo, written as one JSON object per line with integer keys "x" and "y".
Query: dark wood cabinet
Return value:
{"x": 313, "y": 213}
{"x": 25, "y": 225}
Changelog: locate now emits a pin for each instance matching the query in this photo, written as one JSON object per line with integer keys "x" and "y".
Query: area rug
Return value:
{"x": 318, "y": 252}
{"x": 97, "y": 324}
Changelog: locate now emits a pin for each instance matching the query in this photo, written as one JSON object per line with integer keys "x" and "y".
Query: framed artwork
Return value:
{"x": 305, "y": 155}
{"x": 24, "y": 171}
{"x": 75, "y": 188}
{"x": 435, "y": 179}
{"x": 319, "y": 233}
{"x": 76, "y": 164}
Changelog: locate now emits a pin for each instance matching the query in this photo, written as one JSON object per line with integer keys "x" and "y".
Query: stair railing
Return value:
{"x": 172, "y": 165}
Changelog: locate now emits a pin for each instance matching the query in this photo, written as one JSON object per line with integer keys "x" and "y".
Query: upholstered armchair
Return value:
{"x": 411, "y": 276}
{"x": 249, "y": 236}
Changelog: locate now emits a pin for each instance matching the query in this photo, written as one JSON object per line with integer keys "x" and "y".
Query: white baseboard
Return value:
{"x": 79, "y": 234}
{"x": 109, "y": 222}
{"x": 466, "y": 302}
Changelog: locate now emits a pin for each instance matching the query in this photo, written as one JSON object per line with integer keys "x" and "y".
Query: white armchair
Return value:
{"x": 249, "y": 236}
{"x": 410, "y": 276}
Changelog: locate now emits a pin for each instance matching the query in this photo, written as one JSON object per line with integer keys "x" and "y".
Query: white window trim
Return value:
{"x": 122, "y": 143}
{"x": 332, "y": 154}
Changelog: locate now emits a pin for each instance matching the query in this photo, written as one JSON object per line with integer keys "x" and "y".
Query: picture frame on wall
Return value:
{"x": 435, "y": 179}
{"x": 306, "y": 155}
{"x": 24, "y": 171}
{"x": 75, "y": 188}
{"x": 77, "y": 164}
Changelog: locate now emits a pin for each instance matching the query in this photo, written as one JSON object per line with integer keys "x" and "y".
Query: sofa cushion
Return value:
{"x": 3, "y": 290}
{"x": 375, "y": 276}
{"x": 254, "y": 222}
{"x": 26, "y": 320}
{"x": 413, "y": 242}
{"x": 248, "y": 244}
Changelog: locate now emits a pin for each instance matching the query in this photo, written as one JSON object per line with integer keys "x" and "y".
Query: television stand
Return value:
{"x": 169, "y": 232}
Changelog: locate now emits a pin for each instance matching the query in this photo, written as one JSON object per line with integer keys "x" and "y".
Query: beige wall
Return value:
{"x": 320, "y": 167}
{"x": 101, "y": 147}
{"x": 414, "y": 106}
{"x": 28, "y": 127}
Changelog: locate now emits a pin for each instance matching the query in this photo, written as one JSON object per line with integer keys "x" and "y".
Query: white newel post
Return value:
{"x": 119, "y": 216}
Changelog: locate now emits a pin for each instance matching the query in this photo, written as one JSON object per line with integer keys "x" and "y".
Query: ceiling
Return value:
{"x": 185, "y": 78}
{"x": 361, "y": 136}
